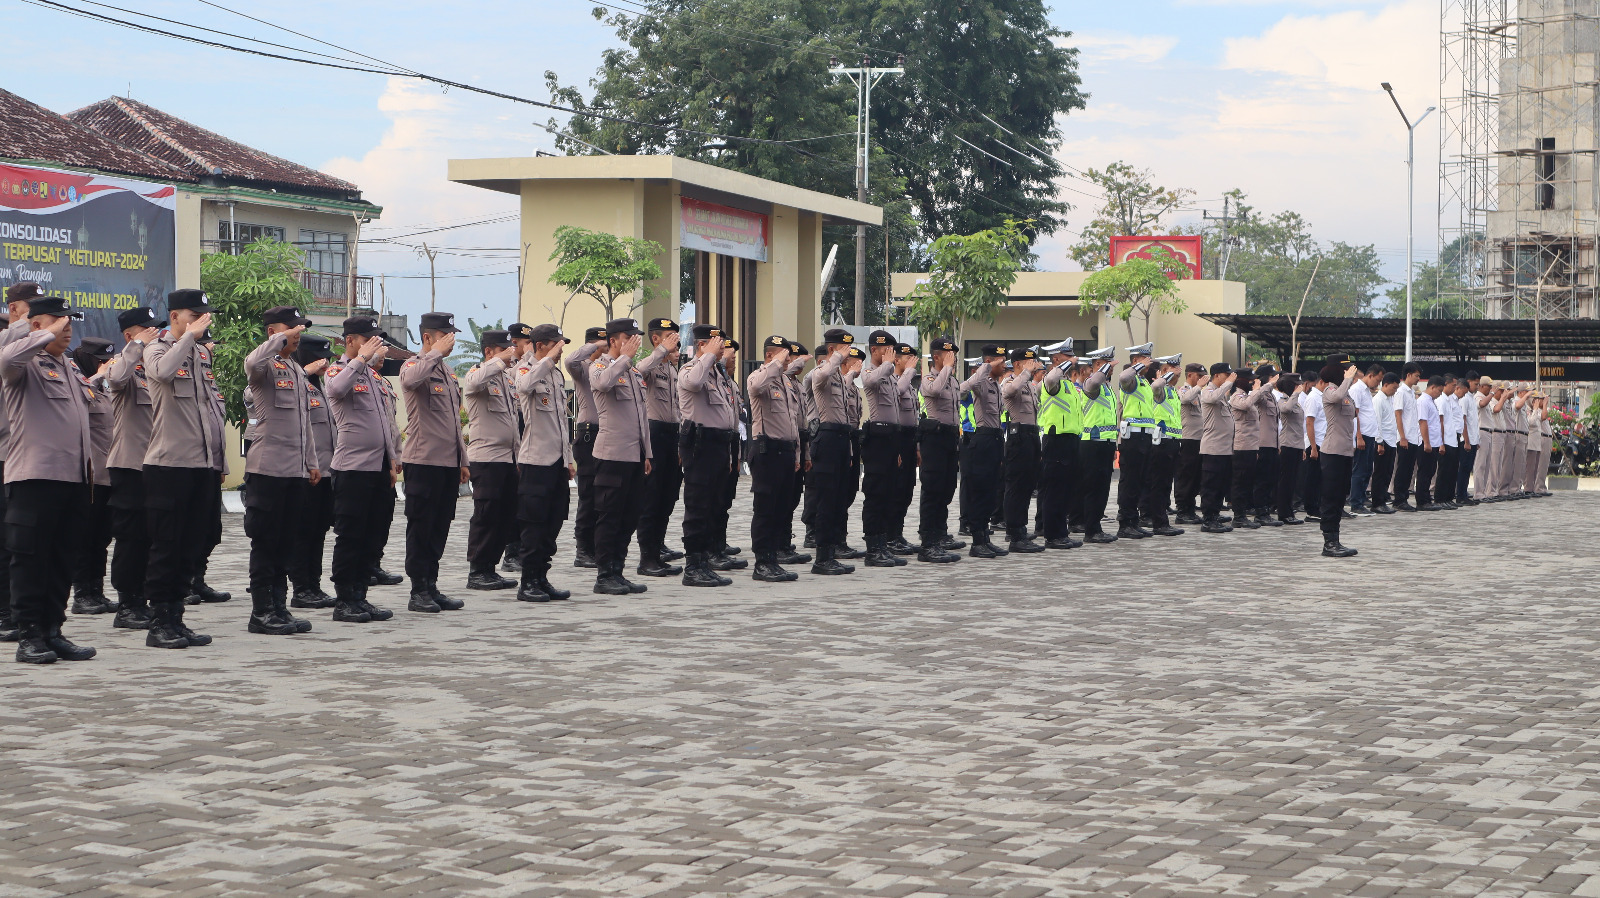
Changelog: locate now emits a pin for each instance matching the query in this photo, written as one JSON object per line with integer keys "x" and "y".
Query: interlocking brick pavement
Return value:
{"x": 1202, "y": 715}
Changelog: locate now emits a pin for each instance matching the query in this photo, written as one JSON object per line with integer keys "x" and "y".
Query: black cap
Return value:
{"x": 549, "y": 333}
{"x": 1220, "y": 368}
{"x": 992, "y": 350}
{"x": 23, "y": 291}
{"x": 622, "y": 327}
{"x": 285, "y": 315}
{"x": 362, "y": 326}
{"x": 906, "y": 349}
{"x": 775, "y": 342}
{"x": 855, "y": 352}
{"x": 52, "y": 305}
{"x": 494, "y": 338}
{"x": 1018, "y": 355}
{"x": 96, "y": 348}
{"x": 193, "y": 300}
{"x": 707, "y": 331}
{"x": 1266, "y": 371}
{"x": 881, "y": 338}
{"x": 594, "y": 333}
{"x": 440, "y": 321}
{"x": 520, "y": 331}
{"x": 942, "y": 344}
{"x": 1341, "y": 359}
{"x": 660, "y": 325}
{"x": 143, "y": 316}
{"x": 1287, "y": 381}
{"x": 1194, "y": 368}
{"x": 821, "y": 350}
{"x": 796, "y": 349}
{"x": 838, "y": 335}
{"x": 312, "y": 348}
{"x": 731, "y": 344}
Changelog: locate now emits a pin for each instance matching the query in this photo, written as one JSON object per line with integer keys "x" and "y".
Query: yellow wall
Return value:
{"x": 616, "y": 207}
{"x": 187, "y": 235}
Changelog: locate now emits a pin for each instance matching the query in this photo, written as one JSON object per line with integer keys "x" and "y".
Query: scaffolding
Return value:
{"x": 1519, "y": 211}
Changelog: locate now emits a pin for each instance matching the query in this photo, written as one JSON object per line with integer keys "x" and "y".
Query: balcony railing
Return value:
{"x": 332, "y": 291}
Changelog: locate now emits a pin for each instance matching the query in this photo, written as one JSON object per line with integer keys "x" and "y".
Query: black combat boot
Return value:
{"x": 722, "y": 562}
{"x": 194, "y": 639}
{"x": 32, "y": 648}
{"x": 878, "y": 552}
{"x": 543, "y": 582}
{"x": 280, "y": 608}
{"x": 381, "y": 577}
{"x": 262, "y": 618}
{"x": 528, "y": 590}
{"x": 373, "y": 611}
{"x": 1332, "y": 549}
{"x": 9, "y": 631}
{"x": 206, "y": 593}
{"x": 1065, "y": 542}
{"x": 66, "y": 649}
{"x": 163, "y": 630}
{"x": 697, "y": 573}
{"x": 951, "y": 544}
{"x": 933, "y": 553}
{"x": 792, "y": 557}
{"x": 1024, "y": 546}
{"x": 843, "y": 550}
{"x": 828, "y": 565}
{"x": 670, "y": 555}
{"x": 768, "y": 571}
{"x": 90, "y": 598}
{"x": 584, "y": 558}
{"x": 347, "y": 606}
{"x": 133, "y": 613}
{"x": 610, "y": 582}
{"x": 488, "y": 579}
{"x": 444, "y": 602}
{"x": 310, "y": 596}
{"x": 652, "y": 565}
{"x": 422, "y": 599}
{"x": 1213, "y": 525}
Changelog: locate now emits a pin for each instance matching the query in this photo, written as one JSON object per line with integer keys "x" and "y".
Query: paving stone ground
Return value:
{"x": 1202, "y": 715}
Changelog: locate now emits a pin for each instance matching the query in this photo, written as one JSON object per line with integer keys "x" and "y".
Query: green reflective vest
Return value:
{"x": 1100, "y": 416}
{"x": 1063, "y": 412}
{"x": 1168, "y": 416}
{"x": 968, "y": 408}
{"x": 1139, "y": 407}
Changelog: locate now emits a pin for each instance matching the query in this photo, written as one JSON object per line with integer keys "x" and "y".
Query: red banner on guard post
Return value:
{"x": 1185, "y": 249}
{"x": 723, "y": 230}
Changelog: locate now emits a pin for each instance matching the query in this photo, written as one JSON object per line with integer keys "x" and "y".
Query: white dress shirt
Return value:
{"x": 1312, "y": 403}
{"x": 1469, "y": 414}
{"x": 1450, "y": 413}
{"x": 1366, "y": 416}
{"x": 1428, "y": 414}
{"x": 1383, "y": 410}
{"x": 1405, "y": 402}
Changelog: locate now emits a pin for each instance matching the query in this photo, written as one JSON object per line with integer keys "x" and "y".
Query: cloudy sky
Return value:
{"x": 1280, "y": 99}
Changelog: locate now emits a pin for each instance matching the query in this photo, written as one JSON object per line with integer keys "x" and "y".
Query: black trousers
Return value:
{"x": 830, "y": 484}
{"x": 1335, "y": 490}
{"x": 363, "y": 509}
{"x": 661, "y": 488}
{"x": 41, "y": 553}
{"x": 1022, "y": 477}
{"x": 183, "y": 511}
{"x": 1383, "y": 474}
{"x": 1311, "y": 485}
{"x": 908, "y": 479}
{"x": 311, "y": 532}
{"x": 997, "y": 513}
{"x": 1163, "y": 467}
{"x": 1427, "y": 466}
{"x": 1186, "y": 483}
{"x": 130, "y": 527}
{"x": 618, "y": 494}
{"x": 1444, "y": 489}
{"x": 1095, "y": 459}
{"x": 1405, "y": 466}
{"x": 880, "y": 478}
{"x": 772, "y": 486}
{"x": 1468, "y": 457}
{"x": 494, "y": 512}
{"x": 1058, "y": 484}
{"x": 1288, "y": 475}
{"x": 1242, "y": 486}
{"x": 941, "y": 457}
{"x": 800, "y": 480}
{"x": 89, "y": 565}
{"x": 730, "y": 489}
{"x": 981, "y": 452}
{"x": 1266, "y": 488}
{"x": 1214, "y": 474}
{"x": 431, "y": 492}
{"x": 271, "y": 516}
{"x": 543, "y": 501}
{"x": 583, "y": 457}
{"x": 1133, "y": 459}
{"x": 707, "y": 456}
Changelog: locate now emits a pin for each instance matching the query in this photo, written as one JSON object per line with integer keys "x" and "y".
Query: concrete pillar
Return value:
{"x": 661, "y": 225}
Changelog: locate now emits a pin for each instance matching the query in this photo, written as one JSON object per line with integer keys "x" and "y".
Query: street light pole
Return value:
{"x": 864, "y": 76}
{"x": 1411, "y": 206}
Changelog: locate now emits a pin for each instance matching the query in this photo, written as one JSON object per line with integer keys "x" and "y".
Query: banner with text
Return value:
{"x": 106, "y": 244}
{"x": 722, "y": 229}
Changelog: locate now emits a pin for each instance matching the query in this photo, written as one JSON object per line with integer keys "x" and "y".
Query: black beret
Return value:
{"x": 1220, "y": 368}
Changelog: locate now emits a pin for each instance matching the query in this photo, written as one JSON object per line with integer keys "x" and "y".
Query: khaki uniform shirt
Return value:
{"x": 1246, "y": 414}
{"x": 546, "y": 437}
{"x": 186, "y": 430}
{"x": 48, "y": 399}
{"x": 283, "y": 445}
{"x": 1340, "y": 412}
{"x": 939, "y": 396}
{"x": 491, "y": 413}
{"x": 1021, "y": 397}
{"x": 704, "y": 394}
{"x": 433, "y": 413}
{"x": 13, "y": 330}
{"x": 578, "y": 367}
{"x": 906, "y": 392}
{"x": 661, "y": 387}
{"x": 320, "y": 417}
{"x": 772, "y": 405}
{"x": 100, "y": 429}
{"x": 367, "y": 438}
{"x": 1267, "y": 419}
{"x": 879, "y": 385}
{"x": 1292, "y": 417}
{"x": 131, "y": 412}
{"x": 619, "y": 404}
{"x": 985, "y": 392}
{"x": 1216, "y": 416}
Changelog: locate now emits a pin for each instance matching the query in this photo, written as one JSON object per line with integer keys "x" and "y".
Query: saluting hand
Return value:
{"x": 200, "y": 324}
{"x": 147, "y": 335}
{"x": 671, "y": 341}
{"x": 445, "y": 344}
{"x": 316, "y": 367}
{"x": 104, "y": 367}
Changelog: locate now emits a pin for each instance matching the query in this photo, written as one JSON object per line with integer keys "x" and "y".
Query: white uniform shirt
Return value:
{"x": 1429, "y": 418}
{"x": 1450, "y": 411}
{"x": 1469, "y": 417}
{"x": 1383, "y": 410}
{"x": 1405, "y": 402}
{"x": 1312, "y": 403}
{"x": 1366, "y": 416}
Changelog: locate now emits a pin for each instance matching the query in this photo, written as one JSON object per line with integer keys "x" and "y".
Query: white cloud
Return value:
{"x": 1354, "y": 49}
{"x": 1118, "y": 47}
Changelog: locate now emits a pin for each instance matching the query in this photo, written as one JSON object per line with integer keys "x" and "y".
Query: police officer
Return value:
{"x": 833, "y": 446}
{"x": 92, "y": 358}
{"x": 774, "y": 459}
{"x": 730, "y": 483}
{"x": 622, "y": 455}
{"x": 434, "y": 458}
{"x": 1139, "y": 432}
{"x": 545, "y": 459}
{"x": 493, "y": 434}
{"x": 310, "y": 533}
{"x": 880, "y": 448}
{"x": 981, "y": 452}
{"x": 938, "y": 443}
{"x": 1186, "y": 482}
{"x": 17, "y": 297}
{"x": 1337, "y": 450}
{"x": 366, "y": 464}
{"x": 1021, "y": 397}
{"x": 1267, "y": 428}
{"x": 1216, "y": 447}
{"x": 585, "y": 427}
{"x": 906, "y": 376}
{"x": 131, "y": 417}
{"x": 1061, "y": 429}
{"x": 660, "y": 371}
{"x": 808, "y": 403}
{"x": 800, "y": 400}
{"x": 48, "y": 471}
{"x": 1164, "y": 372}
{"x": 1246, "y": 401}
{"x": 1097, "y": 448}
{"x": 709, "y": 433}
{"x": 522, "y": 344}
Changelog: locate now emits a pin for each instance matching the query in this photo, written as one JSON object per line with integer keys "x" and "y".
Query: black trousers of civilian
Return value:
{"x": 771, "y": 484}
{"x": 908, "y": 479}
{"x": 1163, "y": 467}
{"x": 130, "y": 526}
{"x": 363, "y": 509}
{"x": 1022, "y": 476}
{"x": 183, "y": 508}
{"x": 981, "y": 452}
{"x": 1186, "y": 483}
{"x": 706, "y": 458}
{"x": 1444, "y": 489}
{"x": 431, "y": 492}
{"x": 271, "y": 516}
{"x": 311, "y": 532}
{"x": 1214, "y": 474}
{"x": 1362, "y": 465}
{"x": 583, "y": 436}
{"x": 829, "y": 484}
{"x": 880, "y": 478}
{"x": 1405, "y": 467}
{"x": 661, "y": 488}
{"x": 1383, "y": 474}
{"x": 1242, "y": 487}
{"x": 1469, "y": 458}
{"x": 1133, "y": 458}
{"x": 1335, "y": 490}
{"x": 493, "y": 523}
{"x": 618, "y": 494}
{"x": 940, "y": 459}
{"x": 1427, "y": 466}
{"x": 543, "y": 501}
{"x": 1095, "y": 460}
{"x": 1288, "y": 475}
{"x": 1058, "y": 484}
{"x": 89, "y": 568}
{"x": 41, "y": 554}
{"x": 1266, "y": 491}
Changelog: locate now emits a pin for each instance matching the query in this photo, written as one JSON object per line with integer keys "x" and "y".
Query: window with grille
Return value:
{"x": 234, "y": 236}
{"x": 326, "y": 252}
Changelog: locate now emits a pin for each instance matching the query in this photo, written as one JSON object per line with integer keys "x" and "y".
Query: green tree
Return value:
{"x": 1136, "y": 287}
{"x": 604, "y": 267}
{"x": 1134, "y": 207}
{"x": 971, "y": 276}
{"x": 470, "y": 352}
{"x": 1439, "y": 291}
{"x": 241, "y": 287}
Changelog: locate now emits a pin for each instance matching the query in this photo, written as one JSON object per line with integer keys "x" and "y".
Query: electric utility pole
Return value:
{"x": 1226, "y": 219}
{"x": 864, "y": 77}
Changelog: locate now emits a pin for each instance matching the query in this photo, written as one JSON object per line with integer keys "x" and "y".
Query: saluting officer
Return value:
{"x": 661, "y": 487}
{"x": 1268, "y": 427}
{"x": 1164, "y": 372}
{"x": 492, "y": 434}
{"x": 49, "y": 468}
{"x": 17, "y": 297}
{"x": 1098, "y": 445}
{"x": 622, "y": 455}
{"x": 774, "y": 459}
{"x": 939, "y": 444}
{"x": 709, "y": 433}
{"x": 1246, "y": 404}
{"x": 546, "y": 462}
{"x": 522, "y": 344}
{"x": 92, "y": 358}
{"x": 730, "y": 483}
{"x": 282, "y": 457}
{"x": 1139, "y": 433}
{"x": 982, "y": 451}
{"x": 833, "y": 447}
{"x": 366, "y": 464}
{"x": 880, "y": 448}
{"x": 905, "y": 366}
{"x": 808, "y": 405}
{"x": 310, "y": 534}
{"x": 1061, "y": 429}
{"x": 131, "y": 416}
{"x": 1337, "y": 450}
{"x": 1021, "y": 397}
{"x": 585, "y": 427}
{"x": 434, "y": 458}
{"x": 801, "y": 402}
{"x": 1186, "y": 482}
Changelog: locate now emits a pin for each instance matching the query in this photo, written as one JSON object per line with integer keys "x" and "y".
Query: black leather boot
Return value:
{"x": 444, "y": 602}
{"x": 373, "y": 611}
{"x": 651, "y": 565}
{"x": 528, "y": 590}
{"x": 559, "y": 595}
{"x": 206, "y": 593}
{"x": 793, "y": 557}
{"x": 768, "y": 571}
{"x": 610, "y": 582}
{"x": 381, "y": 577}
{"x": 1267, "y": 520}
{"x": 64, "y": 648}
{"x": 87, "y": 598}
{"x": 878, "y": 552}
{"x": 584, "y": 558}
{"x": 1213, "y": 525}
{"x": 422, "y": 599}
{"x": 983, "y": 546}
{"x": 670, "y": 555}
{"x": 899, "y": 546}
{"x": 9, "y": 631}
{"x": 280, "y": 608}
{"x": 933, "y": 553}
{"x": 697, "y": 573}
{"x": 1024, "y": 546}
{"x": 134, "y": 613}
{"x": 828, "y": 565}
{"x": 635, "y": 588}
{"x": 951, "y": 544}
{"x": 721, "y": 562}
{"x": 347, "y": 606}
{"x": 32, "y": 647}
{"x": 262, "y": 618}
{"x": 310, "y": 596}
{"x": 730, "y": 550}
{"x": 1332, "y": 549}
{"x": 163, "y": 632}
{"x": 194, "y": 639}
{"x": 488, "y": 579}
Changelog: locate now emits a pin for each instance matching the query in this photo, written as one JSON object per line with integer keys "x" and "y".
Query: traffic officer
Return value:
{"x": 1097, "y": 447}
{"x": 92, "y": 358}
{"x": 1139, "y": 433}
{"x": 774, "y": 459}
{"x": 17, "y": 297}
{"x": 545, "y": 460}
{"x": 282, "y": 456}
{"x": 522, "y": 344}
{"x": 939, "y": 445}
{"x": 709, "y": 435}
{"x": 366, "y": 464}
{"x": 183, "y": 466}
{"x": 48, "y": 471}
{"x": 310, "y": 533}
{"x": 492, "y": 435}
{"x": 131, "y": 415}
{"x": 660, "y": 371}
{"x": 981, "y": 452}
{"x": 585, "y": 427}
{"x": 622, "y": 455}
{"x": 880, "y": 448}
{"x": 1164, "y": 453}
{"x": 802, "y": 403}
{"x": 1061, "y": 429}
{"x": 1021, "y": 397}
{"x": 434, "y": 458}
{"x": 906, "y": 375}
{"x": 1186, "y": 482}
{"x": 833, "y": 446}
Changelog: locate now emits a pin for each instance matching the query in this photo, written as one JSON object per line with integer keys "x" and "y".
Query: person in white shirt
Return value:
{"x": 1431, "y": 428}
{"x": 1366, "y": 439}
{"x": 1467, "y": 397}
{"x": 1388, "y": 439}
{"x": 1405, "y": 413}
{"x": 1444, "y": 485}
{"x": 1311, "y": 471}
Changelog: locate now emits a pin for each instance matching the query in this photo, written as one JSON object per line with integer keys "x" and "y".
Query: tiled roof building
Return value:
{"x": 31, "y": 133}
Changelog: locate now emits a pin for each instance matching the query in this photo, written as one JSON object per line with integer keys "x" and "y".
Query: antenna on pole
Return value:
{"x": 864, "y": 77}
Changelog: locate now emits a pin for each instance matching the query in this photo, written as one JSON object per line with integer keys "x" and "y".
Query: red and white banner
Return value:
{"x": 723, "y": 230}
{"x": 1185, "y": 249}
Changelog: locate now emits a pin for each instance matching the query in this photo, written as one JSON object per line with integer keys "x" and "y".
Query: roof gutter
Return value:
{"x": 283, "y": 200}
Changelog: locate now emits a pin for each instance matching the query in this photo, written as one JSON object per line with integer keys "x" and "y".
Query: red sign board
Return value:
{"x": 1185, "y": 249}
{"x": 722, "y": 229}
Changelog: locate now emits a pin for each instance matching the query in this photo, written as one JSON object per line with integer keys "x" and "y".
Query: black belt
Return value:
{"x": 929, "y": 425}
{"x": 1024, "y": 428}
{"x": 768, "y": 444}
{"x": 992, "y": 431}
{"x": 586, "y": 429}
{"x": 831, "y": 427}
{"x": 702, "y": 432}
{"x": 882, "y": 426}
